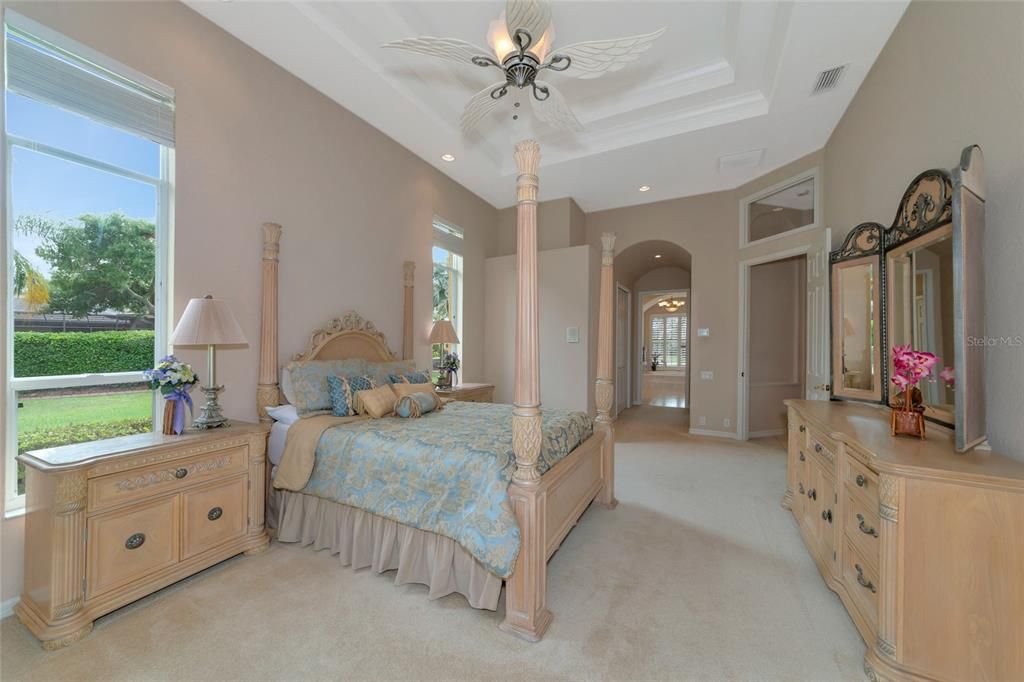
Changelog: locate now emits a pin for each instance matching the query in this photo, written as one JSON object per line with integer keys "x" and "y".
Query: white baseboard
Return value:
{"x": 713, "y": 434}
{"x": 768, "y": 432}
{"x": 7, "y": 607}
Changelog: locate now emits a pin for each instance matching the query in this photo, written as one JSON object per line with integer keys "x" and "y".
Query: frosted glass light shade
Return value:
{"x": 443, "y": 332}
{"x": 207, "y": 322}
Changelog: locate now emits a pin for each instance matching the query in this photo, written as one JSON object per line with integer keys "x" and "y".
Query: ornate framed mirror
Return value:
{"x": 856, "y": 275}
{"x": 930, "y": 266}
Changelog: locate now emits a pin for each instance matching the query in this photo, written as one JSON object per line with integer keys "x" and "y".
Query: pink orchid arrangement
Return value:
{"x": 910, "y": 366}
{"x": 948, "y": 375}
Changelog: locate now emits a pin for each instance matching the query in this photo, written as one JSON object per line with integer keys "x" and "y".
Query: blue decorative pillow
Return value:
{"x": 416, "y": 405}
{"x": 410, "y": 378}
{"x": 304, "y": 382}
{"x": 380, "y": 371}
{"x": 343, "y": 393}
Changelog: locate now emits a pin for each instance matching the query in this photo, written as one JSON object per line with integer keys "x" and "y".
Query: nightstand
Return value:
{"x": 111, "y": 521}
{"x": 469, "y": 393}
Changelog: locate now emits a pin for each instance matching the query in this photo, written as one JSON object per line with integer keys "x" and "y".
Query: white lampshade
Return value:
{"x": 443, "y": 332}
{"x": 207, "y": 322}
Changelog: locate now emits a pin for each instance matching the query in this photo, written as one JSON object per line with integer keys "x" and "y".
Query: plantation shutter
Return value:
{"x": 683, "y": 336}
{"x": 668, "y": 339}
{"x": 74, "y": 78}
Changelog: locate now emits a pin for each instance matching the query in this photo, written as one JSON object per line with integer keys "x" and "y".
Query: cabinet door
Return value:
{"x": 827, "y": 516}
{"x": 809, "y": 523}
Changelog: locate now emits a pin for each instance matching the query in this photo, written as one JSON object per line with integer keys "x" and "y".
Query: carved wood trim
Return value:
{"x": 169, "y": 452}
{"x": 408, "y": 289}
{"x": 267, "y": 394}
{"x": 350, "y": 323}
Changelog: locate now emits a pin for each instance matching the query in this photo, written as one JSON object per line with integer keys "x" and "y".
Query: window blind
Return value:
{"x": 668, "y": 339}
{"x": 42, "y": 70}
{"x": 448, "y": 237}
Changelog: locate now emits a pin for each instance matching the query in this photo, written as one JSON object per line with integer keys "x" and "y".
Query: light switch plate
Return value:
{"x": 703, "y": 331}
{"x": 572, "y": 334}
{"x": 707, "y": 374}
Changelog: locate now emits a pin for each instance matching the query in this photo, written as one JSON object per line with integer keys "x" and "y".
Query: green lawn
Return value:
{"x": 51, "y": 413}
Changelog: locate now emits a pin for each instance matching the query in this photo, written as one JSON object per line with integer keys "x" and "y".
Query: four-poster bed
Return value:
{"x": 546, "y": 505}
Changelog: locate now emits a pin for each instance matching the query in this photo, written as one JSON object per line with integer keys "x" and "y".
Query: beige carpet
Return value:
{"x": 698, "y": 574}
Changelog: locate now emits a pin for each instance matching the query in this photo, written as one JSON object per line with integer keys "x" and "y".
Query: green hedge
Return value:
{"x": 40, "y": 354}
{"x": 39, "y": 439}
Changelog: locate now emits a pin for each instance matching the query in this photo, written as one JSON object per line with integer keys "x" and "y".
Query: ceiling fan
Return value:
{"x": 521, "y": 41}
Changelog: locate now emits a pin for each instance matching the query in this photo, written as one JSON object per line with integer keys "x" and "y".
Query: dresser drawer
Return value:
{"x": 213, "y": 515}
{"x": 862, "y": 481}
{"x": 822, "y": 447}
{"x": 146, "y": 482}
{"x": 862, "y": 526}
{"x": 861, "y": 580}
{"x": 129, "y": 544}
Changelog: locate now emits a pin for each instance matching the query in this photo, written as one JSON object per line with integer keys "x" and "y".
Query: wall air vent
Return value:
{"x": 828, "y": 79}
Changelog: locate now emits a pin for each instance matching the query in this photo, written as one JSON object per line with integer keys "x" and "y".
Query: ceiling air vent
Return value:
{"x": 828, "y": 79}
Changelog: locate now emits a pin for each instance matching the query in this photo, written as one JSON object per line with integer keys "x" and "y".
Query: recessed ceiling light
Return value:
{"x": 645, "y": 188}
{"x": 447, "y": 157}
{"x": 657, "y": 255}
{"x": 777, "y": 209}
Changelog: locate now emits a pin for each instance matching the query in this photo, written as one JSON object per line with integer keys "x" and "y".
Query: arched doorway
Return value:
{"x": 652, "y": 336}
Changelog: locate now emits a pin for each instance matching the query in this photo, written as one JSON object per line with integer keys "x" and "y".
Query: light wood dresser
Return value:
{"x": 111, "y": 521}
{"x": 470, "y": 393}
{"x": 924, "y": 546}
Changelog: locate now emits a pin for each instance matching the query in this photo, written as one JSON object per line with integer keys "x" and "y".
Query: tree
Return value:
{"x": 440, "y": 292}
{"x": 29, "y": 282}
{"x": 105, "y": 263}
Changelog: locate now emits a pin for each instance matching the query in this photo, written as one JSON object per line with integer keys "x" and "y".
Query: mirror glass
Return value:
{"x": 921, "y": 313}
{"x": 788, "y": 209}
{"x": 855, "y": 329}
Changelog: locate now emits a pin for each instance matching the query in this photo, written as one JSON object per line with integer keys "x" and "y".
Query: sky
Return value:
{"x": 44, "y": 185}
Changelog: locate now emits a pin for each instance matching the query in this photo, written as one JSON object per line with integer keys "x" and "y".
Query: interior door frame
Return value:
{"x": 743, "y": 373}
{"x": 641, "y": 332}
{"x": 629, "y": 348}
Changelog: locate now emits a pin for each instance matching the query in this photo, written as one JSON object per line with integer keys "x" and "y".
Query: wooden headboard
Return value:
{"x": 348, "y": 336}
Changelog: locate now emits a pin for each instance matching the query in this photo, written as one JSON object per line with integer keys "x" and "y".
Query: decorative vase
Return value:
{"x": 908, "y": 418}
{"x": 444, "y": 379}
{"x": 169, "y": 406}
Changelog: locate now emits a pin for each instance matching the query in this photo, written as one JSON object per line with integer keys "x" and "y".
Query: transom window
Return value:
{"x": 89, "y": 151}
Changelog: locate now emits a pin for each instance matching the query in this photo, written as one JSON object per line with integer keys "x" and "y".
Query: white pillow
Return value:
{"x": 286, "y": 414}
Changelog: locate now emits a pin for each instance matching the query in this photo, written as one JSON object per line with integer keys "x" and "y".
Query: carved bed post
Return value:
{"x": 267, "y": 390}
{"x": 526, "y": 612}
{"x": 408, "y": 286}
{"x": 604, "y": 391}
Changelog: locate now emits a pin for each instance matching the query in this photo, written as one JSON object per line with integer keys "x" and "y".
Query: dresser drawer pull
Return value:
{"x": 812, "y": 493}
{"x": 802, "y": 458}
{"x": 864, "y": 528}
{"x": 827, "y": 515}
{"x": 867, "y": 584}
{"x": 861, "y": 481}
{"x": 800, "y": 488}
{"x": 135, "y": 541}
{"x": 817, "y": 448}
{"x": 181, "y": 472}
{"x": 215, "y": 513}
{"x": 802, "y": 428}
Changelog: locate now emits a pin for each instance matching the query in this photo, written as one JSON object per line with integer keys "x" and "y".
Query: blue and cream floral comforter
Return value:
{"x": 447, "y": 472}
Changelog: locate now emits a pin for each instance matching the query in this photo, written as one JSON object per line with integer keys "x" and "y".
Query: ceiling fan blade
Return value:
{"x": 479, "y": 105}
{"x": 452, "y": 49}
{"x": 595, "y": 58}
{"x": 533, "y": 15}
{"x": 554, "y": 110}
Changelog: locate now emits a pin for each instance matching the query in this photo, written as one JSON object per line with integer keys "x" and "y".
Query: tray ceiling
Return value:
{"x": 727, "y": 81}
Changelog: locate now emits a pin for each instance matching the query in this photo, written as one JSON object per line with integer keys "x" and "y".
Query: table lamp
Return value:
{"x": 208, "y": 322}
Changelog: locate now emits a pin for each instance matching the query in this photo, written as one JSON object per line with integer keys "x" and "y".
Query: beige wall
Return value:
{"x": 256, "y": 144}
{"x": 708, "y": 227}
{"x": 777, "y": 341}
{"x": 951, "y": 75}
{"x": 560, "y": 224}
{"x": 564, "y": 280}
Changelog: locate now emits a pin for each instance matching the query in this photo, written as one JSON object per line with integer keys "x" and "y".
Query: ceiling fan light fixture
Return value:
{"x": 499, "y": 39}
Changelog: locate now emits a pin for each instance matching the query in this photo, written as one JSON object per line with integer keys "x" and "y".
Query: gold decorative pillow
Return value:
{"x": 408, "y": 389}
{"x": 376, "y": 402}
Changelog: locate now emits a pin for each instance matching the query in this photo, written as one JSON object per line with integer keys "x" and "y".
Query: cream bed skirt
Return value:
{"x": 362, "y": 539}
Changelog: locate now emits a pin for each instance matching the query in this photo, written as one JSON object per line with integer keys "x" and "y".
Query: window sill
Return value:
{"x": 14, "y": 513}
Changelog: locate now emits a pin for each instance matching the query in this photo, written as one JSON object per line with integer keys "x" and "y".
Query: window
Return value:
{"x": 791, "y": 206}
{"x": 89, "y": 153}
{"x": 447, "y": 281}
{"x": 668, "y": 340}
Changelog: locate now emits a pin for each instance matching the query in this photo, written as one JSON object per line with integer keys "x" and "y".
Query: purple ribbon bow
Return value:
{"x": 181, "y": 398}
